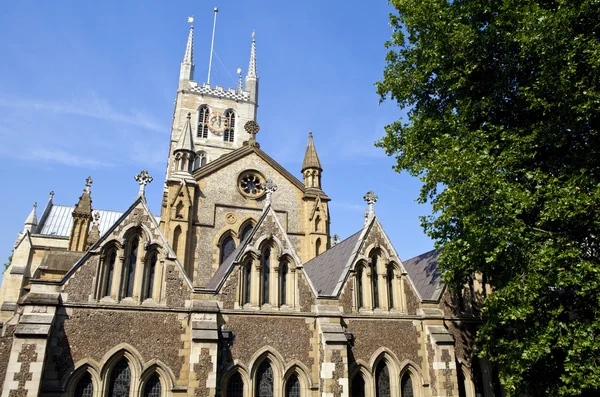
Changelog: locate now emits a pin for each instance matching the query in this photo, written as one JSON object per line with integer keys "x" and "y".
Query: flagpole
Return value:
{"x": 212, "y": 45}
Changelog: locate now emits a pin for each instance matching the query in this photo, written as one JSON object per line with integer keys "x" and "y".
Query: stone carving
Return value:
{"x": 269, "y": 187}
{"x": 143, "y": 178}
{"x": 230, "y": 218}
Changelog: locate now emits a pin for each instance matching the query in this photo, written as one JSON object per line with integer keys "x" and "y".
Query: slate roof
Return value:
{"x": 57, "y": 220}
{"x": 424, "y": 274}
{"x": 326, "y": 269}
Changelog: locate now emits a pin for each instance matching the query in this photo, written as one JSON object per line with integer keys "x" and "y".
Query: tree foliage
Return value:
{"x": 503, "y": 108}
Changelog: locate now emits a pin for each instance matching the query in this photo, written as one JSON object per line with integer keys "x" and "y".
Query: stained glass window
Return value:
{"x": 375, "y": 281}
{"x": 248, "y": 281}
{"x": 292, "y": 388}
{"x": 406, "y": 386}
{"x": 283, "y": 270}
{"x": 120, "y": 380}
{"x": 203, "y": 122}
{"x": 229, "y": 126}
{"x": 110, "y": 270}
{"x": 131, "y": 267}
{"x": 85, "y": 387}
{"x": 246, "y": 231}
{"x": 382, "y": 379}
{"x": 390, "y": 285}
{"x": 150, "y": 276}
{"x": 227, "y": 248}
{"x": 266, "y": 273}
{"x": 152, "y": 387}
{"x": 235, "y": 388}
{"x": 264, "y": 380}
{"x": 358, "y": 386}
{"x": 359, "y": 276}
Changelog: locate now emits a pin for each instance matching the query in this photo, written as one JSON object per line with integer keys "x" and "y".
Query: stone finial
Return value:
{"x": 371, "y": 199}
{"x": 94, "y": 234}
{"x": 51, "y": 195}
{"x": 31, "y": 221}
{"x": 269, "y": 187}
{"x": 336, "y": 239}
{"x": 143, "y": 178}
{"x": 88, "y": 184}
{"x": 252, "y": 128}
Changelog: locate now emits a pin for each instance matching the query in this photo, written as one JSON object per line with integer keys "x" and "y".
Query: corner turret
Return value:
{"x": 31, "y": 221}
{"x": 82, "y": 217}
{"x": 311, "y": 166}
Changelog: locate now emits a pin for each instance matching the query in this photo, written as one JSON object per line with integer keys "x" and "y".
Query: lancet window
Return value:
{"x": 85, "y": 387}
{"x": 109, "y": 271}
{"x": 152, "y": 388}
{"x": 360, "y": 289}
{"x": 390, "y": 287}
{"x": 248, "y": 281}
{"x": 130, "y": 267}
{"x": 203, "y": 116}
{"x": 235, "y": 387}
{"x": 406, "y": 386}
{"x": 246, "y": 231}
{"x": 358, "y": 386}
{"x": 292, "y": 387}
{"x": 227, "y": 248}
{"x": 375, "y": 282}
{"x": 150, "y": 275}
{"x": 266, "y": 274}
{"x": 382, "y": 380}
{"x": 283, "y": 271}
{"x": 229, "y": 126}
{"x": 264, "y": 380}
{"x": 120, "y": 380}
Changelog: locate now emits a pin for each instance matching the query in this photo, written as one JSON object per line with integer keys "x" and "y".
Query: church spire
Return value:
{"x": 251, "y": 76}
{"x": 184, "y": 149}
{"x": 31, "y": 221}
{"x": 311, "y": 166}
{"x": 187, "y": 66}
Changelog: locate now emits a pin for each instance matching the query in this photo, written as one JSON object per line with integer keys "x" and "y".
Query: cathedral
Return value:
{"x": 235, "y": 289}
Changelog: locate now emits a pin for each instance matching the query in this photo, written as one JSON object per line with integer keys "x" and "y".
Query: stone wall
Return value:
{"x": 6, "y": 342}
{"x": 176, "y": 290}
{"x": 27, "y": 356}
{"x": 306, "y": 296}
{"x": 88, "y": 333}
{"x": 80, "y": 285}
{"x": 412, "y": 301}
{"x": 290, "y": 336}
{"x": 401, "y": 337}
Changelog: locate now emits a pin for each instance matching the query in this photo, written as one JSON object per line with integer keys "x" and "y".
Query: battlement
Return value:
{"x": 220, "y": 92}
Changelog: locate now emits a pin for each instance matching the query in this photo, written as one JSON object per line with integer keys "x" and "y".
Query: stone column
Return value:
{"x": 334, "y": 354}
{"x": 28, "y": 353}
{"x": 204, "y": 347}
{"x": 442, "y": 361}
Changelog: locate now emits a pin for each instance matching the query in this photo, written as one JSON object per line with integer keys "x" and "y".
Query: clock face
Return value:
{"x": 216, "y": 123}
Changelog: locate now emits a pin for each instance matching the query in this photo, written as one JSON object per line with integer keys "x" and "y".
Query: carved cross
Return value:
{"x": 371, "y": 199}
{"x": 143, "y": 178}
{"x": 88, "y": 183}
{"x": 269, "y": 186}
{"x": 252, "y": 128}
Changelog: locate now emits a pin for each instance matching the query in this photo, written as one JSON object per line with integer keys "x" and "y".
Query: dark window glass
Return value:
{"x": 406, "y": 386}
{"x": 110, "y": 270}
{"x": 120, "y": 380}
{"x": 246, "y": 231}
{"x": 248, "y": 281}
{"x": 131, "y": 267}
{"x": 292, "y": 388}
{"x": 229, "y": 126}
{"x": 317, "y": 247}
{"x": 235, "y": 387}
{"x": 203, "y": 122}
{"x": 390, "y": 285}
{"x": 359, "y": 276}
{"x": 227, "y": 248}
{"x": 152, "y": 387}
{"x": 264, "y": 380}
{"x": 266, "y": 273}
{"x": 85, "y": 387}
{"x": 382, "y": 379}
{"x": 358, "y": 386}
{"x": 283, "y": 269}
{"x": 176, "y": 237}
{"x": 203, "y": 161}
{"x": 150, "y": 276}
{"x": 375, "y": 281}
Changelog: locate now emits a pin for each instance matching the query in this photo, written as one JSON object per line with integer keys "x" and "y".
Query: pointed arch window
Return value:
{"x": 120, "y": 380}
{"x": 131, "y": 263}
{"x": 85, "y": 387}
{"x": 266, "y": 274}
{"x": 375, "y": 282}
{"x": 152, "y": 387}
{"x": 229, "y": 126}
{"x": 247, "y": 281}
{"x": 390, "y": 287}
{"x": 235, "y": 387}
{"x": 283, "y": 270}
{"x": 176, "y": 238}
{"x": 227, "y": 248}
{"x": 317, "y": 247}
{"x": 246, "y": 232}
{"x": 406, "y": 386}
{"x": 150, "y": 274}
{"x": 382, "y": 380}
{"x": 110, "y": 271}
{"x": 264, "y": 380}
{"x": 203, "y": 116}
{"x": 359, "y": 281}
{"x": 358, "y": 386}
{"x": 292, "y": 387}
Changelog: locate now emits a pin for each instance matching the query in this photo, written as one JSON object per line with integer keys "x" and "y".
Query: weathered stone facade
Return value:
{"x": 235, "y": 287}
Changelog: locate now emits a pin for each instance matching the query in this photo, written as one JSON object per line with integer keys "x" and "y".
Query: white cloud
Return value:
{"x": 58, "y": 156}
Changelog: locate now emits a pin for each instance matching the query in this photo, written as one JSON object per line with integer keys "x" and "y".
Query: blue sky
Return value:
{"x": 87, "y": 88}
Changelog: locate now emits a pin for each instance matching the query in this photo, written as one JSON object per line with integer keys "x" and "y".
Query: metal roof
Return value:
{"x": 59, "y": 220}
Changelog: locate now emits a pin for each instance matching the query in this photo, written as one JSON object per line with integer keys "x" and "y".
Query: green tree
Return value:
{"x": 503, "y": 108}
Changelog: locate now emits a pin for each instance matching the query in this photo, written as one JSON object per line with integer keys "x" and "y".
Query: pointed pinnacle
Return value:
{"x": 252, "y": 64}
{"x": 188, "y": 57}
{"x": 311, "y": 159}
